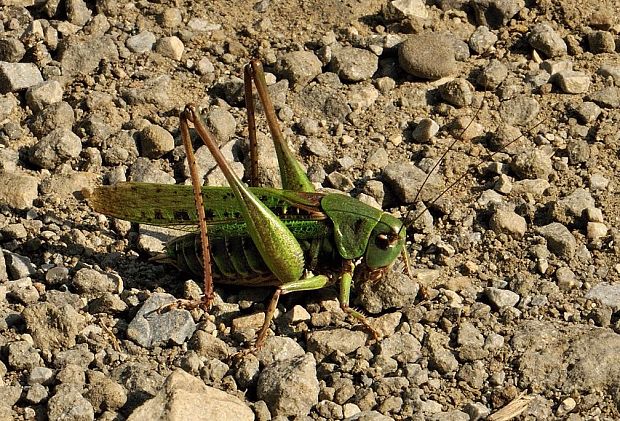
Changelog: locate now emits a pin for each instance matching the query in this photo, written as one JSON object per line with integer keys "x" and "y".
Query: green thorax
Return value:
{"x": 361, "y": 229}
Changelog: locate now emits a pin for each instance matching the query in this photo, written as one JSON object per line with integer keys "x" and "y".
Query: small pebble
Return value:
{"x": 141, "y": 43}
{"x": 58, "y": 147}
{"x": 601, "y": 42}
{"x": 559, "y": 240}
{"x": 544, "y": 38}
{"x": 458, "y": 92}
{"x": 340, "y": 181}
{"x": 496, "y": 14}
{"x": 155, "y": 141}
{"x": 598, "y": 182}
{"x": 55, "y": 116}
{"x": 566, "y": 278}
{"x": 222, "y": 123}
{"x": 171, "y": 17}
{"x": 572, "y": 82}
{"x": 492, "y": 75}
{"x": 596, "y": 230}
{"x": 588, "y": 112}
{"x": 290, "y": 388}
{"x": 204, "y": 66}
{"x": 425, "y": 130}
{"x": 171, "y": 47}
{"x": 354, "y": 64}
{"x": 11, "y": 50}
{"x": 397, "y": 10}
{"x": 482, "y": 40}
{"x": 508, "y": 222}
{"x": 377, "y": 160}
{"x": 532, "y": 164}
{"x": 78, "y": 12}
{"x": 502, "y": 298}
{"x": 565, "y": 407}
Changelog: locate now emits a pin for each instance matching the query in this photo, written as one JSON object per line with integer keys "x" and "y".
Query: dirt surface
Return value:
{"x": 515, "y": 292}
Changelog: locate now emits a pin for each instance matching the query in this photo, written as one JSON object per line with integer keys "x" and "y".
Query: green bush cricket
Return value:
{"x": 260, "y": 236}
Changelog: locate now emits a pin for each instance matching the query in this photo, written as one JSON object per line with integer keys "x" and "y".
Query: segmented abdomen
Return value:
{"x": 236, "y": 260}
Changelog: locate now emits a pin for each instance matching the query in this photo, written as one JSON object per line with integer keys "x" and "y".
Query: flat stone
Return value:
{"x": 43, "y": 94}
{"x": 608, "y": 97}
{"x": 299, "y": 67}
{"x": 354, "y": 64}
{"x": 607, "y": 294}
{"x": 21, "y": 198}
{"x": 559, "y": 240}
{"x": 18, "y": 76}
{"x": 141, "y": 43}
{"x": 184, "y": 397}
{"x": 290, "y": 388}
{"x": 149, "y": 328}
{"x": 508, "y": 222}
{"x": 84, "y": 56}
{"x": 428, "y": 56}
{"x": 519, "y": 111}
{"x": 203, "y": 25}
{"x": 405, "y": 179}
{"x": 572, "y": 82}
{"x": 501, "y": 298}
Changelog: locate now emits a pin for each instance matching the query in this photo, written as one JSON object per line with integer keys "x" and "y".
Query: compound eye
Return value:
{"x": 382, "y": 241}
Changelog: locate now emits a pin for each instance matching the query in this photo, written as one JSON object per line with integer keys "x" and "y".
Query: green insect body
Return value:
{"x": 329, "y": 227}
{"x": 262, "y": 236}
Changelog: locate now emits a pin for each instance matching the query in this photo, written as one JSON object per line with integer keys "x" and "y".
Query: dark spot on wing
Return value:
{"x": 181, "y": 216}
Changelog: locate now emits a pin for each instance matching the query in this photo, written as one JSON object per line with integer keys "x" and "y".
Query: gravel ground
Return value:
{"x": 515, "y": 295}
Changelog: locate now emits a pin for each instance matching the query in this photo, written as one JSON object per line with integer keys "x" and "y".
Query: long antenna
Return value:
{"x": 439, "y": 161}
{"x": 489, "y": 156}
